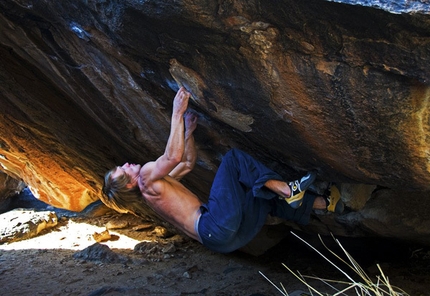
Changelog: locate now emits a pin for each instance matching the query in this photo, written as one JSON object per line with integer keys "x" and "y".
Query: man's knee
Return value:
{"x": 235, "y": 153}
{"x": 231, "y": 153}
{"x": 230, "y": 156}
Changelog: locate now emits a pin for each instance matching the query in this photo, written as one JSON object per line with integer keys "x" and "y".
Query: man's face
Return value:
{"x": 132, "y": 170}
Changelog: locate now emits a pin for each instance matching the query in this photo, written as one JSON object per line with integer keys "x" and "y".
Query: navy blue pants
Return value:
{"x": 239, "y": 203}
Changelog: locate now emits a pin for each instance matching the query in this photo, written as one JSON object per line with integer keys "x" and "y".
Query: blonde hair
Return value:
{"x": 122, "y": 198}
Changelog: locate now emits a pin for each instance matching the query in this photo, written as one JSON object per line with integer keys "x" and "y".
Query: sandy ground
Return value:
{"x": 142, "y": 263}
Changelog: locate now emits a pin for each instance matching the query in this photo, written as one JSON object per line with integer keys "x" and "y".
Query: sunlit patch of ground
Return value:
{"x": 72, "y": 236}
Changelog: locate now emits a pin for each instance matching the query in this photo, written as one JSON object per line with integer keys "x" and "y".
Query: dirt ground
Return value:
{"x": 68, "y": 261}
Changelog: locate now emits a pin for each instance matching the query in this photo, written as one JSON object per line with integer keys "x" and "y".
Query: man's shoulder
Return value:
{"x": 147, "y": 168}
{"x": 148, "y": 164}
{"x": 146, "y": 184}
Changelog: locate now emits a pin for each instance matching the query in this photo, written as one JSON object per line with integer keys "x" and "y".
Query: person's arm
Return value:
{"x": 175, "y": 145}
{"x": 190, "y": 153}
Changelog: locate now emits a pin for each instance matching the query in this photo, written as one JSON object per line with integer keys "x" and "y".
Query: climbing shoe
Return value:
{"x": 333, "y": 200}
{"x": 298, "y": 188}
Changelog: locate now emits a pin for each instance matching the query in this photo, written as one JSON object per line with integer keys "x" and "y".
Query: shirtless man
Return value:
{"x": 244, "y": 191}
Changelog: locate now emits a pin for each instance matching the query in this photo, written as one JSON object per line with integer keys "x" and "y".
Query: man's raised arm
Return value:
{"x": 190, "y": 153}
{"x": 175, "y": 145}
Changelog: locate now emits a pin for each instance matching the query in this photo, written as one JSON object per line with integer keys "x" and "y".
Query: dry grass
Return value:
{"x": 364, "y": 286}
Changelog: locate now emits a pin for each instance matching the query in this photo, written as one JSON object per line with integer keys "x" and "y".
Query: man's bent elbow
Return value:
{"x": 174, "y": 158}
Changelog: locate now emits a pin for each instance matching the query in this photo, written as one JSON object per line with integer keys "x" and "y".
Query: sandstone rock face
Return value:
{"x": 87, "y": 85}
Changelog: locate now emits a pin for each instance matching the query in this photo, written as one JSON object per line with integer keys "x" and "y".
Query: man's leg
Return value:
{"x": 281, "y": 188}
{"x": 302, "y": 214}
{"x": 253, "y": 174}
{"x": 319, "y": 203}
{"x": 238, "y": 203}
{"x": 237, "y": 175}
{"x": 256, "y": 176}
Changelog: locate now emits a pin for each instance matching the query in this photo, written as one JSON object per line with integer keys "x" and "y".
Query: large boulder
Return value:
{"x": 344, "y": 89}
